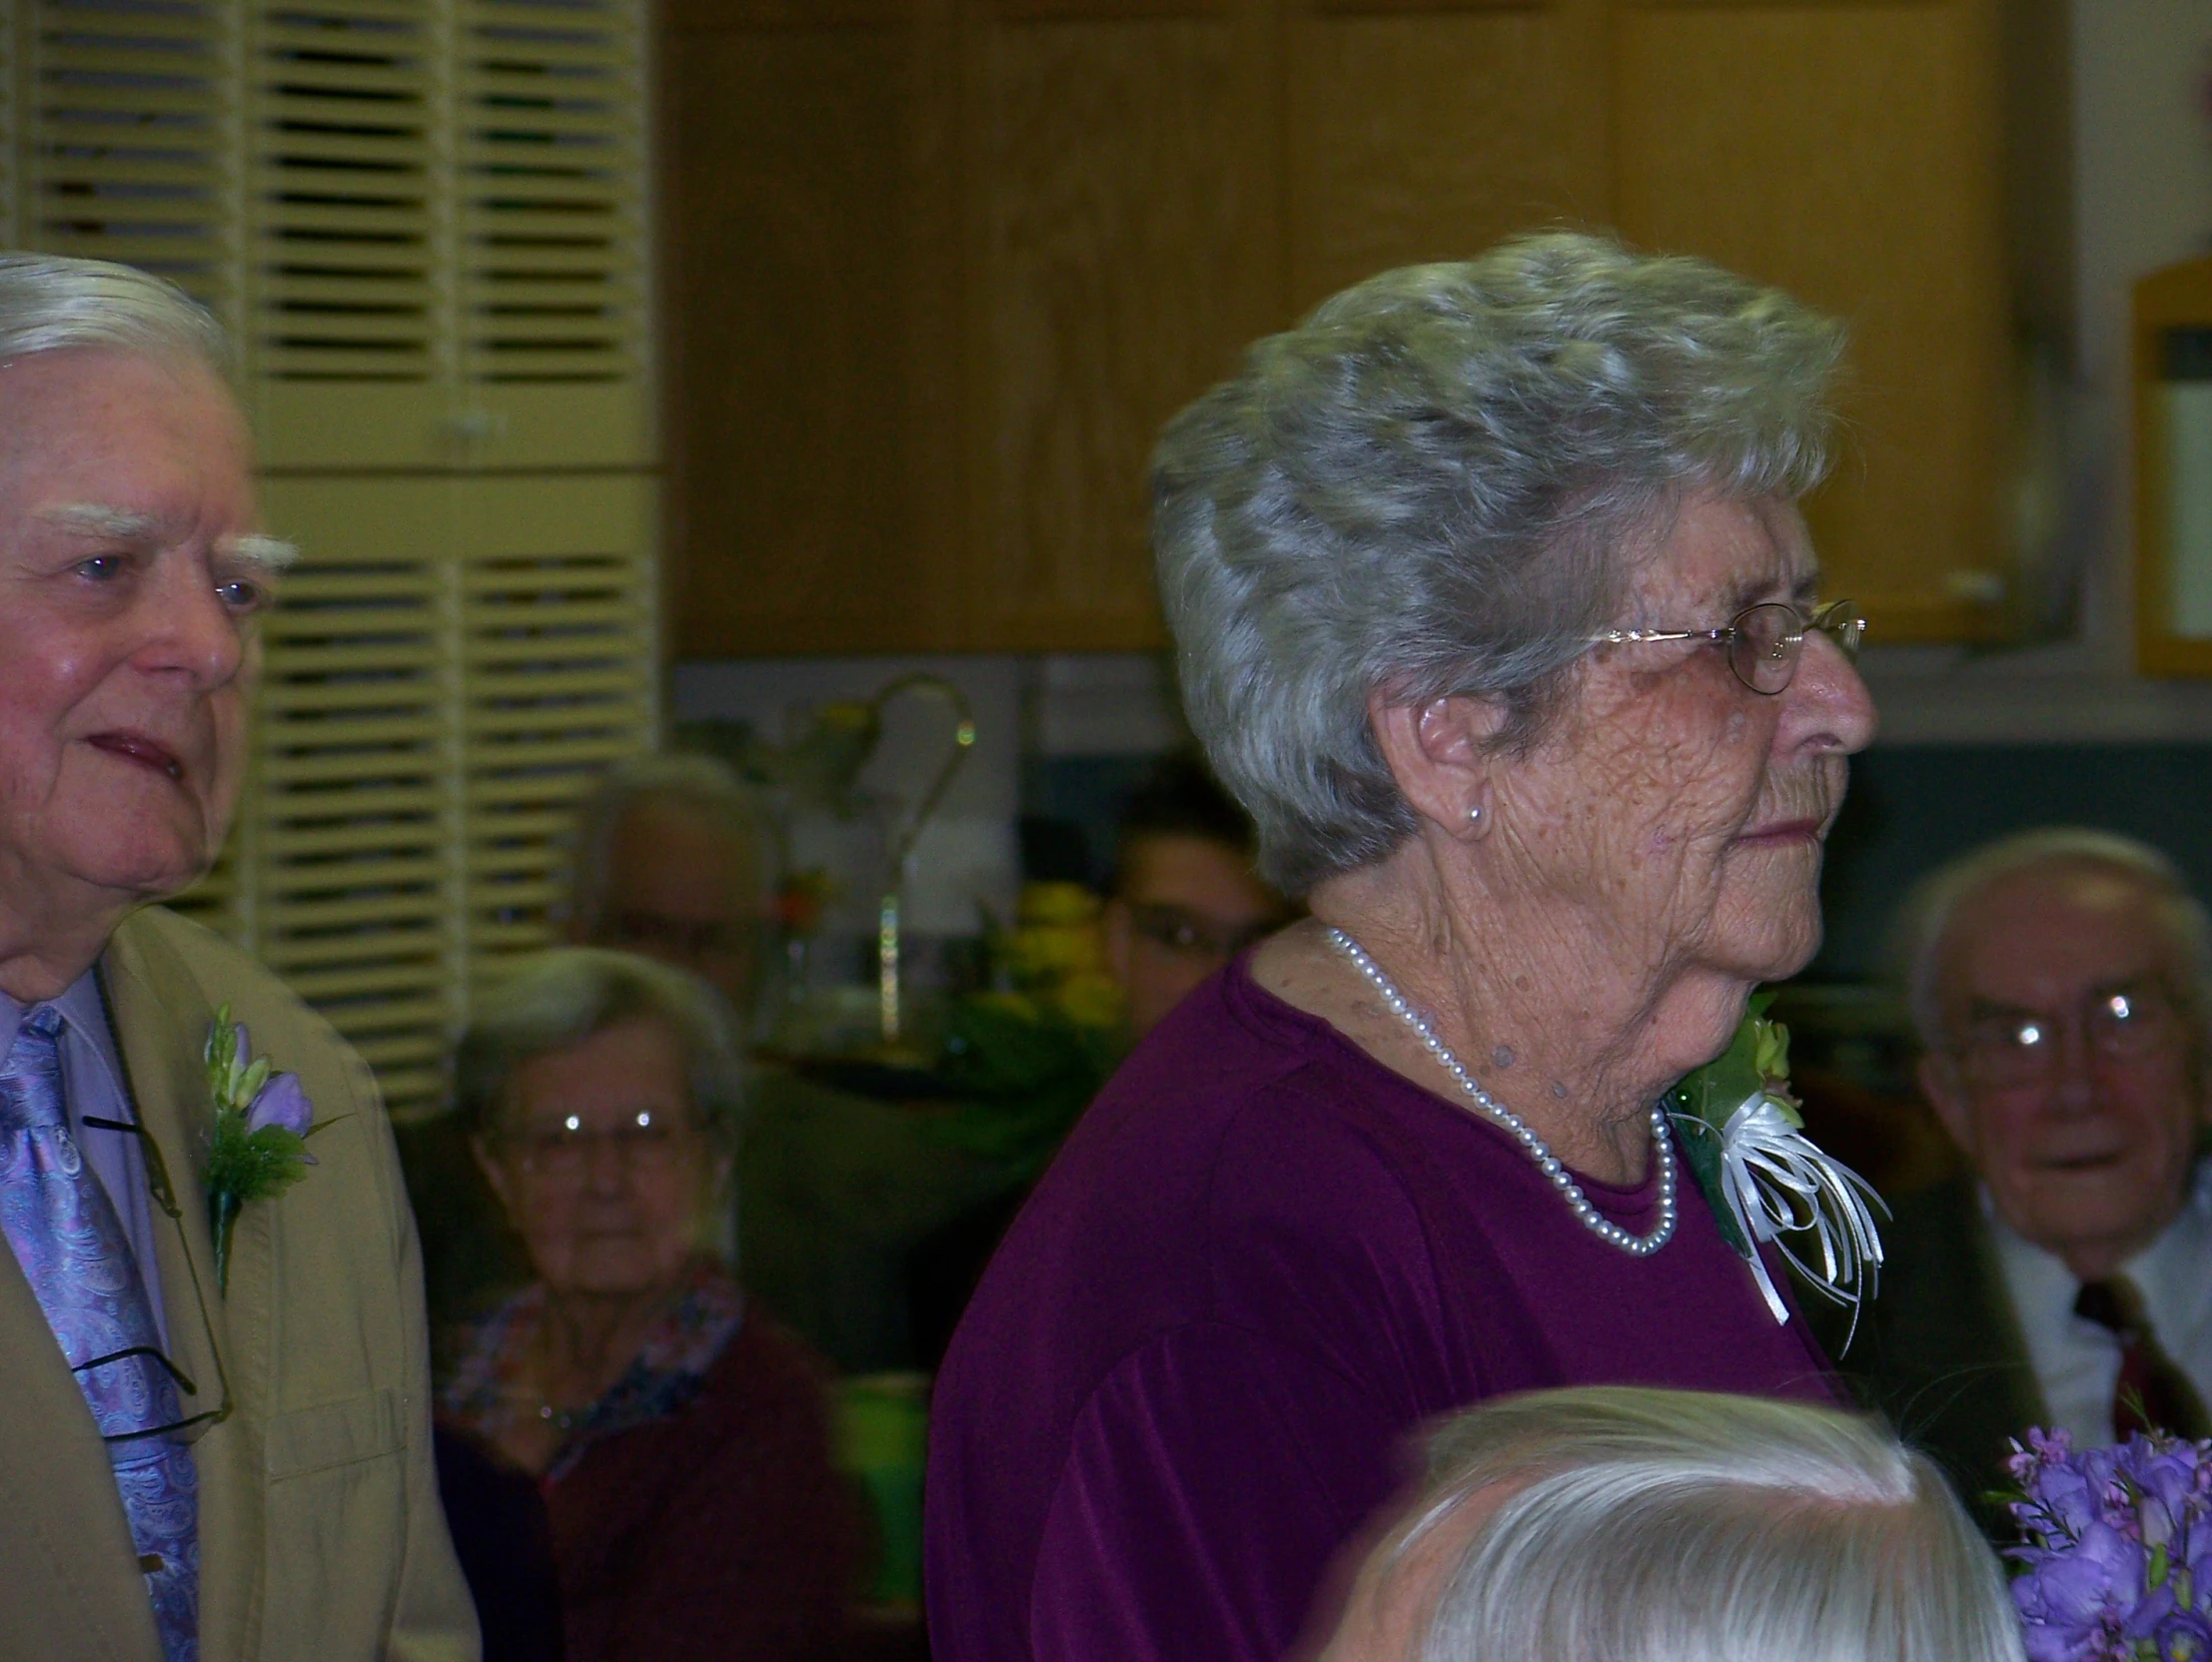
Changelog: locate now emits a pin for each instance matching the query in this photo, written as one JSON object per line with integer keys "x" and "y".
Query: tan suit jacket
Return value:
{"x": 321, "y": 1536}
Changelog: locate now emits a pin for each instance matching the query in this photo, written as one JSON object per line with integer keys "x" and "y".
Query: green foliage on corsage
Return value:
{"x": 256, "y": 1147}
{"x": 1756, "y": 1060}
{"x": 1742, "y": 1137}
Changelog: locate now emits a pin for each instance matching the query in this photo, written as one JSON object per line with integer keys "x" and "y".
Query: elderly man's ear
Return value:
{"x": 1940, "y": 1084}
{"x": 1440, "y": 755}
{"x": 2200, "y": 1080}
{"x": 495, "y": 1174}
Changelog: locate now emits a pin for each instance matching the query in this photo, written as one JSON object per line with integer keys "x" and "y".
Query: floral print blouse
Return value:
{"x": 487, "y": 1395}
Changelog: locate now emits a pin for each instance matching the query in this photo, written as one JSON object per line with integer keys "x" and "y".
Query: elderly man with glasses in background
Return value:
{"x": 208, "y": 1453}
{"x": 2056, "y": 980}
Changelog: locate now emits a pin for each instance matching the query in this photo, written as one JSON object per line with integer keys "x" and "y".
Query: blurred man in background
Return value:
{"x": 836, "y": 1190}
{"x": 1183, "y": 898}
{"x": 832, "y": 1187}
{"x": 670, "y": 864}
{"x": 2056, "y": 980}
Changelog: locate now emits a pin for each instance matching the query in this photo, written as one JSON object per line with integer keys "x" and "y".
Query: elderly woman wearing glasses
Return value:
{"x": 679, "y": 1437}
{"x": 1495, "y": 607}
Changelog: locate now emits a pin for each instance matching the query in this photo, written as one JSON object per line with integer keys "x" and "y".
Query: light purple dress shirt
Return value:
{"x": 92, "y": 1078}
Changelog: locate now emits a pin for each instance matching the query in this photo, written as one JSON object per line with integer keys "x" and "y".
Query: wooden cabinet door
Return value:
{"x": 940, "y": 270}
{"x": 812, "y": 354}
{"x": 1123, "y": 245}
{"x": 1422, "y": 131}
{"x": 1849, "y": 154}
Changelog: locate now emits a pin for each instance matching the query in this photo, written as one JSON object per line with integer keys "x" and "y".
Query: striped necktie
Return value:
{"x": 2152, "y": 1393}
{"x": 73, "y": 1252}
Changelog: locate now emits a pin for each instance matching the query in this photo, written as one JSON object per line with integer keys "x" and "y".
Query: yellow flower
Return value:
{"x": 1770, "y": 1051}
{"x": 1090, "y": 999}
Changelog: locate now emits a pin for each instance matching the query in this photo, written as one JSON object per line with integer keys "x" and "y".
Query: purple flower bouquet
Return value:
{"x": 2117, "y": 1563}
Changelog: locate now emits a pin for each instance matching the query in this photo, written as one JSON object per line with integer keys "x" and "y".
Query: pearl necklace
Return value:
{"x": 1662, "y": 1144}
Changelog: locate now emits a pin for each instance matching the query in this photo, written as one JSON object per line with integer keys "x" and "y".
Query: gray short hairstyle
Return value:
{"x": 1922, "y": 936}
{"x": 561, "y": 996}
{"x": 51, "y": 302}
{"x": 1684, "y": 1526}
{"x": 1430, "y": 486}
{"x": 702, "y": 783}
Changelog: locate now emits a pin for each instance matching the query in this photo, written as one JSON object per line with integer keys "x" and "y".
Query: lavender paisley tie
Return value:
{"x": 71, "y": 1245}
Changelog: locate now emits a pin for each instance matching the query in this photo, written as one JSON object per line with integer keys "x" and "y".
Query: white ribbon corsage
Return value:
{"x": 1743, "y": 1139}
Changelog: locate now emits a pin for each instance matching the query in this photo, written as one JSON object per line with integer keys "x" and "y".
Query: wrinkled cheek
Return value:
{"x": 228, "y": 771}
{"x": 680, "y": 1216}
{"x": 551, "y": 1245}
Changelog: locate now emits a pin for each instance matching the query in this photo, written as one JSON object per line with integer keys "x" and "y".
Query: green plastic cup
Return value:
{"x": 882, "y": 1439}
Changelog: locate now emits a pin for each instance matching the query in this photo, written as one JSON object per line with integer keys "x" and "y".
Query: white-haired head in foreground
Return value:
{"x": 1618, "y": 1524}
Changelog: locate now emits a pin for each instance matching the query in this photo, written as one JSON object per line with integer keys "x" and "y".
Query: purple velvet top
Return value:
{"x": 1261, "y": 1262}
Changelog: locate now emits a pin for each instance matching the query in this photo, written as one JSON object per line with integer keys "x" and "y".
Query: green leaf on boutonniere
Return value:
{"x": 257, "y": 1136}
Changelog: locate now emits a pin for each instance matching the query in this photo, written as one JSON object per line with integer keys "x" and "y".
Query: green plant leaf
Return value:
{"x": 1699, "y": 1146}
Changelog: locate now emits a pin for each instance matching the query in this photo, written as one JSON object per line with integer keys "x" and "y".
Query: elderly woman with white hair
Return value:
{"x": 1493, "y": 604}
{"x": 1636, "y": 1526}
{"x": 679, "y": 1438}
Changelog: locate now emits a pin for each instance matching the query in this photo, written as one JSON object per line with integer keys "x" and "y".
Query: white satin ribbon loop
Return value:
{"x": 1777, "y": 1183}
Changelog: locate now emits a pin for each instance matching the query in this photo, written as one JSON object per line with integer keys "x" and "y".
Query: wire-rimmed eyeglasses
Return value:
{"x": 191, "y": 1425}
{"x": 1189, "y": 934}
{"x": 1762, "y": 642}
{"x": 2125, "y": 1023}
{"x": 643, "y": 1139}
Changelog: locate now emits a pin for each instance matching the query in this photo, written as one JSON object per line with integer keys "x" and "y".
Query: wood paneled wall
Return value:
{"x": 938, "y": 270}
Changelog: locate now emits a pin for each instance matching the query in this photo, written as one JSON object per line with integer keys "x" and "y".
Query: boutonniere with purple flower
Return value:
{"x": 257, "y": 1146}
{"x": 2116, "y": 1565}
{"x": 1743, "y": 1135}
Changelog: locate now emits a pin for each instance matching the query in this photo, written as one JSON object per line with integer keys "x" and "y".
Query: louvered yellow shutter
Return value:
{"x": 557, "y": 602}
{"x": 126, "y": 138}
{"x": 349, "y": 263}
{"x": 450, "y": 668}
{"x": 350, "y": 832}
{"x": 445, "y": 233}
{"x": 551, "y": 144}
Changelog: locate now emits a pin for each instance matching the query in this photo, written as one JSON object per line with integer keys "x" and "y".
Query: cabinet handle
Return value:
{"x": 476, "y": 427}
{"x": 1977, "y": 586}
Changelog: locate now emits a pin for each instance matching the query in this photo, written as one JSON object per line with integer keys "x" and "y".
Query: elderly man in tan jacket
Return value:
{"x": 194, "y": 1466}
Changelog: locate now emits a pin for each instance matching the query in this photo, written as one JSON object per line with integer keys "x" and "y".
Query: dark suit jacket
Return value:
{"x": 1939, "y": 1352}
